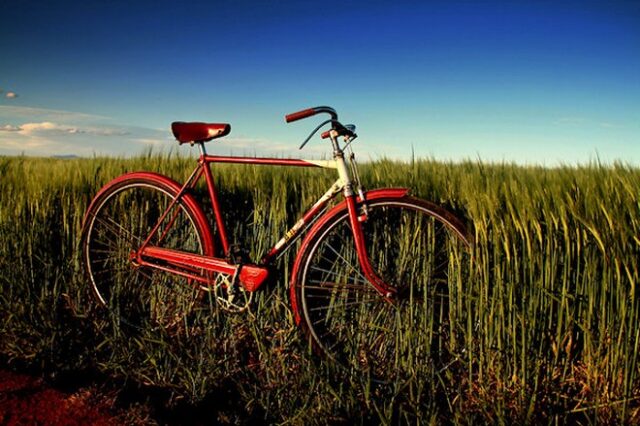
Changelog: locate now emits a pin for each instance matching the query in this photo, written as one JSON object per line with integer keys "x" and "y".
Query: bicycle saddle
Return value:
{"x": 198, "y": 132}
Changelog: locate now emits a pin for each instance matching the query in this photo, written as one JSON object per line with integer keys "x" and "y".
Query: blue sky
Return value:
{"x": 546, "y": 82}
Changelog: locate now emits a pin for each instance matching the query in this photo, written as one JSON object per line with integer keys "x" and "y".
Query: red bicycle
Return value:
{"x": 370, "y": 282}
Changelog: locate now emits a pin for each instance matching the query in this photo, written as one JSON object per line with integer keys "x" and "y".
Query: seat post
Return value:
{"x": 203, "y": 151}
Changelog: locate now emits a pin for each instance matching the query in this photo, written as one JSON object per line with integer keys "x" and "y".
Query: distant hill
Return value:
{"x": 65, "y": 156}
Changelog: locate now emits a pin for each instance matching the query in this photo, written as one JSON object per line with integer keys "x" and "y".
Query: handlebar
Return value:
{"x": 348, "y": 131}
{"x": 295, "y": 116}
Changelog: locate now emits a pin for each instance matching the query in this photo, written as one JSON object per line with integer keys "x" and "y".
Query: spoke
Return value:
{"x": 122, "y": 225}
{"x": 406, "y": 245}
{"x": 170, "y": 224}
{"x": 112, "y": 269}
{"x": 345, "y": 260}
{"x": 334, "y": 273}
{"x": 115, "y": 258}
{"x": 144, "y": 274}
{"x": 333, "y": 284}
{"x": 358, "y": 328}
{"x": 115, "y": 245}
{"x": 321, "y": 296}
{"x": 339, "y": 287}
{"x": 345, "y": 304}
{"x": 109, "y": 224}
{"x": 105, "y": 251}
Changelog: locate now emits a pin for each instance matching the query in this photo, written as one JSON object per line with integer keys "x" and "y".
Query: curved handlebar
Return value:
{"x": 348, "y": 131}
{"x": 309, "y": 112}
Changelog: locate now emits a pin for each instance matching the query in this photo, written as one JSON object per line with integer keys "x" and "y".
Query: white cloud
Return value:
{"x": 47, "y": 132}
{"x": 9, "y": 94}
{"x": 47, "y": 138}
{"x": 10, "y": 128}
{"x": 48, "y": 127}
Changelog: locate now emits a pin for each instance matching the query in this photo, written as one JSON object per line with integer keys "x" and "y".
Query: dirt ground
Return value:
{"x": 27, "y": 400}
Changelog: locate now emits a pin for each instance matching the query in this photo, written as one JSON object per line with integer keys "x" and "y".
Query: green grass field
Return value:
{"x": 548, "y": 321}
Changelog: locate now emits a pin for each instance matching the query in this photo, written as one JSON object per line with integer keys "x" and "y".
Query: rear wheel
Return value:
{"x": 117, "y": 224}
{"x": 418, "y": 248}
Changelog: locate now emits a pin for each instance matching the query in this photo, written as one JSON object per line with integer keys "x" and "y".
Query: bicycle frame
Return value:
{"x": 152, "y": 255}
{"x": 200, "y": 267}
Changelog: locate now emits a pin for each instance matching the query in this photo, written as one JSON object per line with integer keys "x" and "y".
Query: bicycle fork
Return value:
{"x": 355, "y": 219}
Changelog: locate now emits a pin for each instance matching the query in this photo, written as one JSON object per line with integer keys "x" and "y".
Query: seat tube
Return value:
{"x": 215, "y": 202}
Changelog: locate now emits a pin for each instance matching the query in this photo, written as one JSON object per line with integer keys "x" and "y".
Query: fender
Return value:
{"x": 189, "y": 201}
{"x": 395, "y": 193}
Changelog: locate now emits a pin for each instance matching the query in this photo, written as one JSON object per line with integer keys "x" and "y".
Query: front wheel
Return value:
{"x": 415, "y": 246}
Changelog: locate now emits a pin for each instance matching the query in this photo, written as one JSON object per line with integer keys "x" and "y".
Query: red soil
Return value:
{"x": 26, "y": 400}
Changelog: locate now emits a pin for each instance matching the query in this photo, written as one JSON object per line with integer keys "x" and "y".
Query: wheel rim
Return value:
{"x": 136, "y": 295}
{"x": 411, "y": 248}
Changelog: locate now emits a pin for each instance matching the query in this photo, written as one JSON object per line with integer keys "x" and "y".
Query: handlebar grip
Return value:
{"x": 325, "y": 135}
{"x": 294, "y": 116}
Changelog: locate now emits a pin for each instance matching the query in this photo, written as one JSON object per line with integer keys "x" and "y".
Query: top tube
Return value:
{"x": 331, "y": 164}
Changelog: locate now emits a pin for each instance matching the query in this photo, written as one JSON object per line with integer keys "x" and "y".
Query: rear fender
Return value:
{"x": 162, "y": 181}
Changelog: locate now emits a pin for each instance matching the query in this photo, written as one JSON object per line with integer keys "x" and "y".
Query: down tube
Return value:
{"x": 308, "y": 217}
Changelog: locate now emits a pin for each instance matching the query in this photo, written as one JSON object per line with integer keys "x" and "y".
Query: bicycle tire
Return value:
{"x": 118, "y": 220}
{"x": 417, "y": 247}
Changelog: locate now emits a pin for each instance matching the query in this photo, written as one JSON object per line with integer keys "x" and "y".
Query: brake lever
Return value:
{"x": 352, "y": 129}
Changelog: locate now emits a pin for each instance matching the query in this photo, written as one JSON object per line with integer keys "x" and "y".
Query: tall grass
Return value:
{"x": 546, "y": 323}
